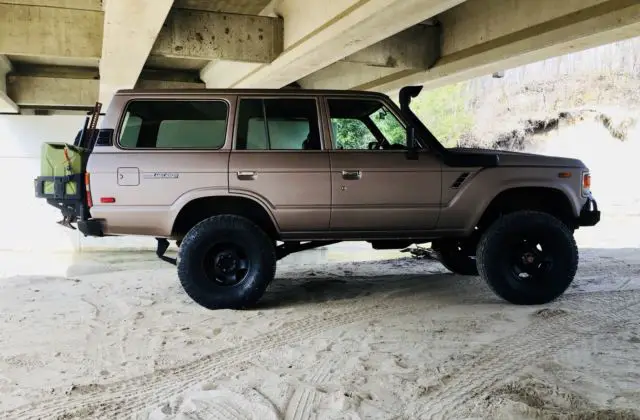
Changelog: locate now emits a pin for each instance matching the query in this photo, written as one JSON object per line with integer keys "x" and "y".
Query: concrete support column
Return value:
{"x": 130, "y": 31}
{"x": 7, "y": 106}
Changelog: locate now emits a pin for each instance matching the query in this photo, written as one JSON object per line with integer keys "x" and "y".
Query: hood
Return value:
{"x": 524, "y": 159}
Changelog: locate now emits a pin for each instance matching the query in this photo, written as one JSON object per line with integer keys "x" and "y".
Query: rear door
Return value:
{"x": 279, "y": 160}
{"x": 375, "y": 187}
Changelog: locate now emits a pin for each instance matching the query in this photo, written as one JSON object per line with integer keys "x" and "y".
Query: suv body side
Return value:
{"x": 309, "y": 194}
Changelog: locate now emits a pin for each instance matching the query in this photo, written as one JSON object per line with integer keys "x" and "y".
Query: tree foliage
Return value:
{"x": 354, "y": 134}
{"x": 444, "y": 111}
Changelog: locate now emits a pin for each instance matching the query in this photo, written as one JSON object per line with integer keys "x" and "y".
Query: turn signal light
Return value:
{"x": 586, "y": 181}
{"x": 107, "y": 200}
{"x": 586, "y": 184}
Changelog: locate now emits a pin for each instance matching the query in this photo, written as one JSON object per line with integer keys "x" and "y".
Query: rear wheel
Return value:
{"x": 457, "y": 256}
{"x": 528, "y": 257}
{"x": 226, "y": 262}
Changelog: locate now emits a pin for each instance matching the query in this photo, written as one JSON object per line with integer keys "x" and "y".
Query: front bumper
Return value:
{"x": 589, "y": 214}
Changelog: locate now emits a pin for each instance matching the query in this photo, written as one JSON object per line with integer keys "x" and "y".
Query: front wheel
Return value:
{"x": 226, "y": 262}
{"x": 528, "y": 257}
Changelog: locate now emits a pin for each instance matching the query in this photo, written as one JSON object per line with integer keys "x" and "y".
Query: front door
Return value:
{"x": 278, "y": 160}
{"x": 375, "y": 187}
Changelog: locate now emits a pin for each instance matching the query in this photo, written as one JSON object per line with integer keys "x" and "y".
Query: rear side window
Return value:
{"x": 174, "y": 124}
{"x": 278, "y": 124}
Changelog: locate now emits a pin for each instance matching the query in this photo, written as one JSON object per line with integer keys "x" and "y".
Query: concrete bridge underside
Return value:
{"x": 67, "y": 54}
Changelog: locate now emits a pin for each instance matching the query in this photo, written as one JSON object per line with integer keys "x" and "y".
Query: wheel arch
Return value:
{"x": 541, "y": 198}
{"x": 200, "y": 208}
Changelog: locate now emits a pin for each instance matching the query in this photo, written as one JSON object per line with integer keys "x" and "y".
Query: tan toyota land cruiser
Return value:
{"x": 242, "y": 178}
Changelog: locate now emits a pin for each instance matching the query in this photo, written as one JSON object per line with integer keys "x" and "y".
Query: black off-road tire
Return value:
{"x": 453, "y": 259}
{"x": 498, "y": 250}
{"x": 205, "y": 240}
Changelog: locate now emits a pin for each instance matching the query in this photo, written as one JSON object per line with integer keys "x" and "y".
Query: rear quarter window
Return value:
{"x": 172, "y": 124}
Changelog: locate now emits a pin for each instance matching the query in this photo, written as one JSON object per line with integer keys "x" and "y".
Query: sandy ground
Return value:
{"x": 114, "y": 336}
{"x": 343, "y": 333}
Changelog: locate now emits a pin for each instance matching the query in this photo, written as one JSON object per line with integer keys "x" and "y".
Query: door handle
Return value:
{"x": 247, "y": 175}
{"x": 353, "y": 175}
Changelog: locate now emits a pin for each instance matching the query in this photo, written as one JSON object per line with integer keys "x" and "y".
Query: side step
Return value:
{"x": 282, "y": 251}
{"x": 289, "y": 248}
{"x": 163, "y": 245}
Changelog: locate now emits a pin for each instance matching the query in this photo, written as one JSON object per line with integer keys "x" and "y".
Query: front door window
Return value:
{"x": 365, "y": 124}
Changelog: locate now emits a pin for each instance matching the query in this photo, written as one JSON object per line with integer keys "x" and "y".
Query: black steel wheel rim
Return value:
{"x": 226, "y": 264}
{"x": 531, "y": 258}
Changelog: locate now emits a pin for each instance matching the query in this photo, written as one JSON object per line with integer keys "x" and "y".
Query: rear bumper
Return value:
{"x": 91, "y": 227}
{"x": 589, "y": 214}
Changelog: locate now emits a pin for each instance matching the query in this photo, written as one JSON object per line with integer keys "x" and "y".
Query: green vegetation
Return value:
{"x": 354, "y": 134}
{"x": 351, "y": 134}
{"x": 444, "y": 111}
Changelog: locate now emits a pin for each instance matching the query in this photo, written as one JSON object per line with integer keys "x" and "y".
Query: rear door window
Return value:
{"x": 174, "y": 124}
{"x": 278, "y": 124}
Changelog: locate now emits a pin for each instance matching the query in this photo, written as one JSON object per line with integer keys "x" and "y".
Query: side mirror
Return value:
{"x": 412, "y": 149}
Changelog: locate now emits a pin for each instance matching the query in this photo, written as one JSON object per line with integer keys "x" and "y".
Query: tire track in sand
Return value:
{"x": 306, "y": 396}
{"x": 469, "y": 379}
{"x": 127, "y": 397}
{"x": 123, "y": 398}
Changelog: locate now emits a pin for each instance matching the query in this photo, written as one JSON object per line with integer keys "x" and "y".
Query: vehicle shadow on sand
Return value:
{"x": 313, "y": 287}
{"x": 598, "y": 270}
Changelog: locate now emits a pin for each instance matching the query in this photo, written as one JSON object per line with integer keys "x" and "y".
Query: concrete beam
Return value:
{"x": 7, "y": 106}
{"x": 416, "y": 49}
{"x": 130, "y": 31}
{"x": 220, "y": 74}
{"x": 224, "y": 73}
{"x": 73, "y": 35}
{"x": 320, "y": 32}
{"x": 168, "y": 84}
{"x": 121, "y": 39}
{"x": 52, "y": 91}
{"x": 246, "y": 7}
{"x": 194, "y": 34}
{"x": 73, "y": 90}
{"x": 485, "y": 36}
{"x": 62, "y": 4}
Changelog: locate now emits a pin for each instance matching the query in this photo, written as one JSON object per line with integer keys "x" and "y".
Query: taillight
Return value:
{"x": 586, "y": 184}
{"x": 87, "y": 187}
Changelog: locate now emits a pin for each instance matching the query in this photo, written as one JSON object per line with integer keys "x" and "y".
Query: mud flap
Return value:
{"x": 163, "y": 245}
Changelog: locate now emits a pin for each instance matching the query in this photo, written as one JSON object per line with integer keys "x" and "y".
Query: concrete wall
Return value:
{"x": 27, "y": 223}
